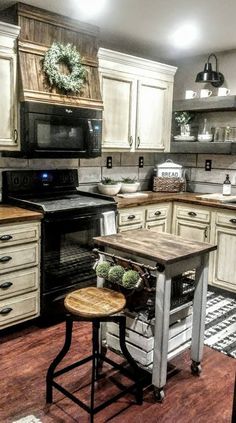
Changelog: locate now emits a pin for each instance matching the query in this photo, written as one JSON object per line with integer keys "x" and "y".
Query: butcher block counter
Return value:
{"x": 160, "y": 197}
{"x": 167, "y": 257}
{"x": 11, "y": 214}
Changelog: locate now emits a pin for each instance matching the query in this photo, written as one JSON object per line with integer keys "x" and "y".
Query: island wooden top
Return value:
{"x": 160, "y": 197}
{"x": 161, "y": 247}
{"x": 12, "y": 214}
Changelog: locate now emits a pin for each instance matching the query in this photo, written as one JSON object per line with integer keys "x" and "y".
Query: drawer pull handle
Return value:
{"x": 193, "y": 214}
{"x": 4, "y": 259}
{"x": 131, "y": 216}
{"x": 5, "y": 237}
{"x": 131, "y": 140}
{"x": 6, "y": 285}
{"x": 5, "y": 310}
{"x": 157, "y": 213}
{"x": 233, "y": 220}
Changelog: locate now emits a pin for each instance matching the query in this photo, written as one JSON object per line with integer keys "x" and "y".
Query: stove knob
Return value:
{"x": 16, "y": 180}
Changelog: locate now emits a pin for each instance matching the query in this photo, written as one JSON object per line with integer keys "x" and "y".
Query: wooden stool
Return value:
{"x": 95, "y": 305}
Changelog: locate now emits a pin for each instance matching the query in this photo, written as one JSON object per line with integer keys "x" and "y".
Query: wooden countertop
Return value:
{"x": 159, "y": 197}
{"x": 12, "y": 214}
{"x": 164, "y": 248}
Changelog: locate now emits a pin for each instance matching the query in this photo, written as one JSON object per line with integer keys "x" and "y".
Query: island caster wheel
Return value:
{"x": 159, "y": 394}
{"x": 196, "y": 368}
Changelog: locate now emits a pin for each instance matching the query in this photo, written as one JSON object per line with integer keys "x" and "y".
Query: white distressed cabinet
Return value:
{"x": 137, "y": 97}
{"x": 155, "y": 217}
{"x": 19, "y": 272}
{"x": 224, "y": 258}
{"x": 9, "y": 139}
{"x": 192, "y": 222}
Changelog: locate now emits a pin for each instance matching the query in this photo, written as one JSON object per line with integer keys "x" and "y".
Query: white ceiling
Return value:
{"x": 144, "y": 27}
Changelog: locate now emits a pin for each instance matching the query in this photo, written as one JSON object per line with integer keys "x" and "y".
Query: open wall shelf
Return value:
{"x": 208, "y": 104}
{"x": 203, "y": 147}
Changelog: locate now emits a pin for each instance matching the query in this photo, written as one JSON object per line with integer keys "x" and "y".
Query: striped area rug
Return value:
{"x": 220, "y": 330}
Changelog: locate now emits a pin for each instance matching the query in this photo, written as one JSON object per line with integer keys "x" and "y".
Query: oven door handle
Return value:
{"x": 73, "y": 219}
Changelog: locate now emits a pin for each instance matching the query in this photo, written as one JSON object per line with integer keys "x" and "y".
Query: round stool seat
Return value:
{"x": 94, "y": 302}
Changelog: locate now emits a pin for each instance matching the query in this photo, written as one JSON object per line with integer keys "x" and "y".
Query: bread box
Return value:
{"x": 169, "y": 169}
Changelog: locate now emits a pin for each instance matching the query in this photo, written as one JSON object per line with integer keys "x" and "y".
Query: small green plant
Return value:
{"x": 115, "y": 274}
{"x": 129, "y": 180}
{"x": 183, "y": 118}
{"x": 130, "y": 279}
{"x": 108, "y": 181}
{"x": 102, "y": 269}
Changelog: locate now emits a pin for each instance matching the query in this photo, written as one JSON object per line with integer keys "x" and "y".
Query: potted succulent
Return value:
{"x": 129, "y": 185}
{"x": 109, "y": 186}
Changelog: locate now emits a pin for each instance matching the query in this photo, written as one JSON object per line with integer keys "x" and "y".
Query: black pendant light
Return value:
{"x": 209, "y": 75}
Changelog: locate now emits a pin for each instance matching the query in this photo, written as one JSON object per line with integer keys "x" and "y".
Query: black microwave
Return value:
{"x": 60, "y": 131}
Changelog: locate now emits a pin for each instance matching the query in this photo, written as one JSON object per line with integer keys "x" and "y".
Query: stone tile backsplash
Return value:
{"x": 91, "y": 171}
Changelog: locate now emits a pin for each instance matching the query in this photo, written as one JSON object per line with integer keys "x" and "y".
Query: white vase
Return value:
{"x": 185, "y": 130}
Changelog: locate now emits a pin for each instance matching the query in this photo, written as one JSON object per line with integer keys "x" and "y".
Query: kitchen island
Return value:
{"x": 167, "y": 256}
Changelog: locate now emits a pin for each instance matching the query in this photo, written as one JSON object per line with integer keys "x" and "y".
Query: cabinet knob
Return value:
{"x": 193, "y": 214}
{"x": 4, "y": 259}
{"x": 6, "y": 285}
{"x": 5, "y": 310}
{"x": 131, "y": 140}
{"x": 233, "y": 220}
{"x": 157, "y": 213}
{"x": 131, "y": 216}
{"x": 206, "y": 232}
{"x": 15, "y": 135}
{"x": 5, "y": 237}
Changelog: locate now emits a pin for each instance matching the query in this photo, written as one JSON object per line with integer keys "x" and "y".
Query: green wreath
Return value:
{"x": 67, "y": 54}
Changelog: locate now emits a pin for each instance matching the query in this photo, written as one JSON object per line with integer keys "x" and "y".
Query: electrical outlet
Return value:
{"x": 140, "y": 161}
{"x": 109, "y": 162}
{"x": 208, "y": 165}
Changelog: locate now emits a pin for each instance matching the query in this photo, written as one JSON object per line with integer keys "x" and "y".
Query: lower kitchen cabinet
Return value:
{"x": 154, "y": 217}
{"x": 191, "y": 222}
{"x": 224, "y": 258}
{"x": 19, "y": 273}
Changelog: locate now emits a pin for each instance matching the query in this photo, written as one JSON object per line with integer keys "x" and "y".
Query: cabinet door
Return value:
{"x": 158, "y": 225}
{"x": 8, "y": 102}
{"x": 119, "y": 100}
{"x": 153, "y": 115}
{"x": 224, "y": 274}
{"x": 192, "y": 230}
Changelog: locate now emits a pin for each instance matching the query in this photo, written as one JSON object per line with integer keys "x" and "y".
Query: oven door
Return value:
{"x": 67, "y": 257}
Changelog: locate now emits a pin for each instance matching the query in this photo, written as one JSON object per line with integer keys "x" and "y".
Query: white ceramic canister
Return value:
{"x": 169, "y": 169}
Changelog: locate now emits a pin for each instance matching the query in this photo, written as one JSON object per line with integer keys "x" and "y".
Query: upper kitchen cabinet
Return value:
{"x": 137, "y": 98}
{"x": 8, "y": 97}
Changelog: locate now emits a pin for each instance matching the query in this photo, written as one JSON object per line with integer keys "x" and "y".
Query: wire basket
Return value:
{"x": 168, "y": 184}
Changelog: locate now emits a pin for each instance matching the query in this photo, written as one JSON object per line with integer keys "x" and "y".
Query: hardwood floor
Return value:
{"x": 26, "y": 353}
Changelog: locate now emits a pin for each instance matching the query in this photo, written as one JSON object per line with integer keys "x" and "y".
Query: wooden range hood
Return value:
{"x": 39, "y": 29}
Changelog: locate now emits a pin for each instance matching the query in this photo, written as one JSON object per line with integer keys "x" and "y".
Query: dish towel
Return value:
{"x": 108, "y": 223}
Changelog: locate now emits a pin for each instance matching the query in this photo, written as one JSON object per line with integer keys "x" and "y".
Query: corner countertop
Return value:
{"x": 164, "y": 249}
{"x": 12, "y": 214}
{"x": 160, "y": 197}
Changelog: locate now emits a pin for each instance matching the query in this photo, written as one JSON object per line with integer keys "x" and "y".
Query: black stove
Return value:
{"x": 72, "y": 218}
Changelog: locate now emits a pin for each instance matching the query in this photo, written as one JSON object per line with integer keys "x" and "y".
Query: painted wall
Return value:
{"x": 188, "y": 69}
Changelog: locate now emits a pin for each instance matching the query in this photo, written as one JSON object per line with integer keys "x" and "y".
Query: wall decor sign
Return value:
{"x": 70, "y": 57}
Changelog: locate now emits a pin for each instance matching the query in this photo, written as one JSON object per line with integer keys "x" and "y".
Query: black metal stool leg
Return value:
{"x": 57, "y": 360}
{"x": 96, "y": 325}
{"x": 129, "y": 358}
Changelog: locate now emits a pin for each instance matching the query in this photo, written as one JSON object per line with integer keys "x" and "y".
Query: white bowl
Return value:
{"x": 109, "y": 189}
{"x": 133, "y": 187}
{"x": 205, "y": 137}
